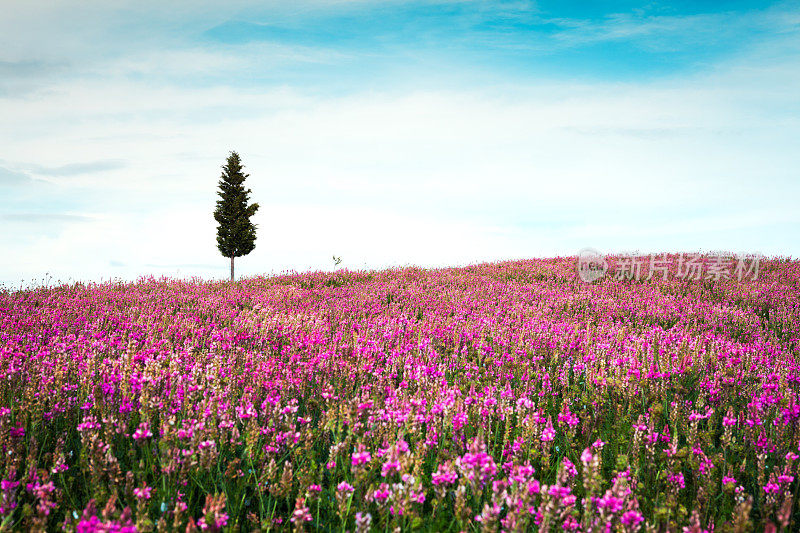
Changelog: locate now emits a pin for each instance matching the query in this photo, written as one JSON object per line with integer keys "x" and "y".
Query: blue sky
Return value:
{"x": 391, "y": 133}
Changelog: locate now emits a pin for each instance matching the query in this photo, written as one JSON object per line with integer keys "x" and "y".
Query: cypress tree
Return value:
{"x": 236, "y": 234}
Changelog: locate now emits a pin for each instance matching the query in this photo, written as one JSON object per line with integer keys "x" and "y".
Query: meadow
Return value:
{"x": 508, "y": 396}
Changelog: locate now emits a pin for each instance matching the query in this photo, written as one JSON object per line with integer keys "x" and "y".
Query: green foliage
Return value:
{"x": 236, "y": 234}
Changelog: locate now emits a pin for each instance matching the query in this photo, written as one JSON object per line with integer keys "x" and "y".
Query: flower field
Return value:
{"x": 497, "y": 397}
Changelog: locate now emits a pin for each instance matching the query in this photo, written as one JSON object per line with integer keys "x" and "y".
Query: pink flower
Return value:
{"x": 571, "y": 524}
{"x": 90, "y": 523}
{"x": 142, "y": 432}
{"x": 558, "y": 491}
{"x": 301, "y": 512}
{"x": 548, "y": 434}
{"x": 444, "y": 475}
{"x": 390, "y": 467}
{"x": 677, "y": 480}
{"x": 220, "y": 521}
{"x": 361, "y": 458}
{"x": 586, "y": 456}
{"x": 143, "y": 493}
{"x": 631, "y": 518}
{"x": 7, "y": 484}
{"x": 569, "y": 467}
{"x": 610, "y": 503}
{"x": 382, "y": 492}
{"x": 568, "y": 417}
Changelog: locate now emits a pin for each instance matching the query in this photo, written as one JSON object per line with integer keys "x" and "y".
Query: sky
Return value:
{"x": 391, "y": 133}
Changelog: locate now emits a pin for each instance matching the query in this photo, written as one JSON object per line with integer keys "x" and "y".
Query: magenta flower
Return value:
{"x": 444, "y": 475}
{"x": 631, "y": 518}
{"x": 677, "y": 480}
{"x": 301, "y": 512}
{"x": 390, "y": 467}
{"x": 142, "y": 432}
{"x": 548, "y": 434}
{"x": 587, "y": 456}
{"x": 344, "y": 486}
{"x": 361, "y": 458}
{"x": 143, "y": 493}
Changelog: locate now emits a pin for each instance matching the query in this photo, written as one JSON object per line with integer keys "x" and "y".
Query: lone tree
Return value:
{"x": 236, "y": 235}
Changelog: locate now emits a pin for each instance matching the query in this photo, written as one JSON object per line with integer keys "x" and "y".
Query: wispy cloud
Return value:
{"x": 38, "y": 218}
{"x": 204, "y": 266}
{"x": 12, "y": 178}
{"x": 75, "y": 169}
{"x": 23, "y": 77}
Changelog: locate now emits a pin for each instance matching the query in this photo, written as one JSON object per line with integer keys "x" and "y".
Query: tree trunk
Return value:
{"x": 231, "y": 268}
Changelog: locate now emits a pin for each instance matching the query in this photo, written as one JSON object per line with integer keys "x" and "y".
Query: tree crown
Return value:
{"x": 236, "y": 234}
